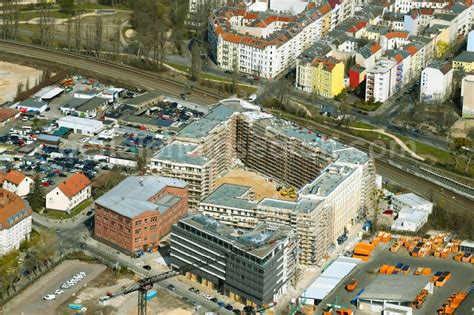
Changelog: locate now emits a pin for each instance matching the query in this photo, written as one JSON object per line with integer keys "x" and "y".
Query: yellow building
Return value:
{"x": 327, "y": 76}
{"x": 464, "y": 61}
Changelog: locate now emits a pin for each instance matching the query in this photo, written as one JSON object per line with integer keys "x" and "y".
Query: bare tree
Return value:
{"x": 68, "y": 33}
{"x": 235, "y": 75}
{"x": 98, "y": 35}
{"x": 195, "y": 61}
{"x": 78, "y": 32}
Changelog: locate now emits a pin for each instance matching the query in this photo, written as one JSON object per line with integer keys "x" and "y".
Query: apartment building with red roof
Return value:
{"x": 15, "y": 221}
{"x": 69, "y": 194}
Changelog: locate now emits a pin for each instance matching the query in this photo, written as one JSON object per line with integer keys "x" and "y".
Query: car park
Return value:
{"x": 49, "y": 297}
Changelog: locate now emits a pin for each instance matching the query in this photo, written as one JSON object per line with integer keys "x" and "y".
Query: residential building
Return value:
{"x": 15, "y": 221}
{"x": 253, "y": 267}
{"x": 196, "y": 5}
{"x": 464, "y": 61}
{"x": 17, "y": 183}
{"x": 32, "y": 105}
{"x": 381, "y": 80}
{"x": 436, "y": 81}
{"x": 137, "y": 213}
{"x": 393, "y": 40}
{"x": 326, "y": 76}
{"x": 8, "y": 115}
{"x": 356, "y": 76}
{"x": 80, "y": 125}
{"x": 417, "y": 20}
{"x": 467, "y": 96}
{"x": 405, "y": 6}
{"x": 70, "y": 193}
{"x": 411, "y": 200}
{"x": 264, "y": 44}
{"x": 367, "y": 55}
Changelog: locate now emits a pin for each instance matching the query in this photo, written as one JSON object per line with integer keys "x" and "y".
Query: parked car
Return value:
{"x": 214, "y": 300}
{"x": 171, "y": 287}
{"x": 49, "y": 297}
{"x": 220, "y": 304}
{"x": 207, "y": 296}
{"x": 58, "y": 292}
{"x": 191, "y": 289}
{"x": 229, "y": 307}
{"x": 146, "y": 267}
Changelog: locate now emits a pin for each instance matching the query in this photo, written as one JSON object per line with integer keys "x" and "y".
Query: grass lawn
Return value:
{"x": 428, "y": 151}
{"x": 368, "y": 107}
{"x": 28, "y": 15}
{"x": 55, "y": 214}
{"x": 360, "y": 124}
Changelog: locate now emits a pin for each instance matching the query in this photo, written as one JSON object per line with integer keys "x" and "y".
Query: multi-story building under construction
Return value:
{"x": 334, "y": 181}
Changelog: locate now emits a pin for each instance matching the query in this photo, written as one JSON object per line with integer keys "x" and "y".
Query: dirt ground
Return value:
{"x": 461, "y": 127}
{"x": 262, "y": 187}
{"x": 11, "y": 75}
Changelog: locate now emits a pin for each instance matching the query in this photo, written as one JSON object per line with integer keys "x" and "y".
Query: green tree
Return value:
{"x": 36, "y": 197}
{"x": 441, "y": 48}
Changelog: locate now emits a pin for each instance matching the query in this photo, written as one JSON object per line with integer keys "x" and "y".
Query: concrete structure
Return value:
{"x": 253, "y": 267}
{"x": 84, "y": 126}
{"x": 467, "y": 246}
{"x": 410, "y": 220}
{"x": 410, "y": 200}
{"x": 436, "y": 81}
{"x": 134, "y": 215}
{"x": 467, "y": 96}
{"x": 15, "y": 221}
{"x": 70, "y": 193}
{"x": 32, "y": 105}
{"x": 329, "y": 279}
{"x": 393, "y": 290}
{"x": 464, "y": 61}
{"x": 87, "y": 94}
{"x": 381, "y": 80}
{"x": 264, "y": 44}
{"x": 8, "y": 115}
{"x": 49, "y": 92}
{"x": 17, "y": 183}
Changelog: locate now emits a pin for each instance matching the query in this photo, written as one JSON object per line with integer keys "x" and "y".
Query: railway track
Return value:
{"x": 146, "y": 79}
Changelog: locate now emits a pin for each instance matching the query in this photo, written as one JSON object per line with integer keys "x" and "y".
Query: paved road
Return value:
{"x": 147, "y": 80}
{"x": 31, "y": 300}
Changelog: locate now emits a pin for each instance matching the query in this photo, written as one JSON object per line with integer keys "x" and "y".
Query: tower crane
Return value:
{"x": 145, "y": 284}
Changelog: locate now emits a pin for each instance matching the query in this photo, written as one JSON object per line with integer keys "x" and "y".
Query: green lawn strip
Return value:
{"x": 360, "y": 124}
{"x": 425, "y": 150}
{"x": 55, "y": 214}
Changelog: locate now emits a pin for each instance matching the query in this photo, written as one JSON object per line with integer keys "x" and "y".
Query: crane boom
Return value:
{"x": 146, "y": 284}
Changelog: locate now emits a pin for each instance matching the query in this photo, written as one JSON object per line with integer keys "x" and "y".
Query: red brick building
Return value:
{"x": 139, "y": 211}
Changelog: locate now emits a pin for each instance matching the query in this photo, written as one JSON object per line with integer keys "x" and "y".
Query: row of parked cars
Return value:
{"x": 221, "y": 304}
{"x": 75, "y": 279}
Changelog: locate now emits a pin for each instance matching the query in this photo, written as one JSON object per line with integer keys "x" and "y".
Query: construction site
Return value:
{"x": 405, "y": 275}
{"x": 315, "y": 184}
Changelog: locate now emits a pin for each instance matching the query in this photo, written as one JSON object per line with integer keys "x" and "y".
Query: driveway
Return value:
{"x": 31, "y": 300}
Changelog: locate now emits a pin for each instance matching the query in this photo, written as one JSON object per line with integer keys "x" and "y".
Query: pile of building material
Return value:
{"x": 383, "y": 237}
{"x": 453, "y": 303}
{"x": 420, "y": 299}
{"x": 421, "y": 271}
{"x": 363, "y": 250}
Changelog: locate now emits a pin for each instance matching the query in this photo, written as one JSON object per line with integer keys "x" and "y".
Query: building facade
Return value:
{"x": 464, "y": 62}
{"x": 253, "y": 268}
{"x": 15, "y": 221}
{"x": 381, "y": 80}
{"x": 467, "y": 96}
{"x": 17, "y": 183}
{"x": 134, "y": 215}
{"x": 436, "y": 81}
{"x": 70, "y": 193}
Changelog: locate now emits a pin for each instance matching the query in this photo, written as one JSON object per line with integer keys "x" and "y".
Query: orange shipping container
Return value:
{"x": 362, "y": 251}
{"x": 365, "y": 245}
{"x": 376, "y": 241}
{"x": 383, "y": 269}
{"x": 361, "y": 257}
{"x": 426, "y": 271}
{"x": 390, "y": 269}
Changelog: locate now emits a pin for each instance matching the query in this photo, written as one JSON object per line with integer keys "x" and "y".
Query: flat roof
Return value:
{"x": 91, "y": 104}
{"x": 131, "y": 197}
{"x": 302, "y": 205}
{"x": 144, "y": 98}
{"x": 229, "y": 195}
{"x": 396, "y": 288}
{"x": 33, "y": 102}
{"x": 202, "y": 127}
{"x": 180, "y": 153}
{"x": 465, "y": 56}
{"x": 331, "y": 277}
{"x": 49, "y": 92}
{"x": 81, "y": 121}
{"x": 467, "y": 243}
{"x": 328, "y": 180}
{"x": 412, "y": 199}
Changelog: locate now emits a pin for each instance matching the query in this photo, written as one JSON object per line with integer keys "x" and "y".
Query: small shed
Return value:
{"x": 49, "y": 139}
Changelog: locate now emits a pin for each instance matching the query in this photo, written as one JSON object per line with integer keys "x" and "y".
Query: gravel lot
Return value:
{"x": 31, "y": 300}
